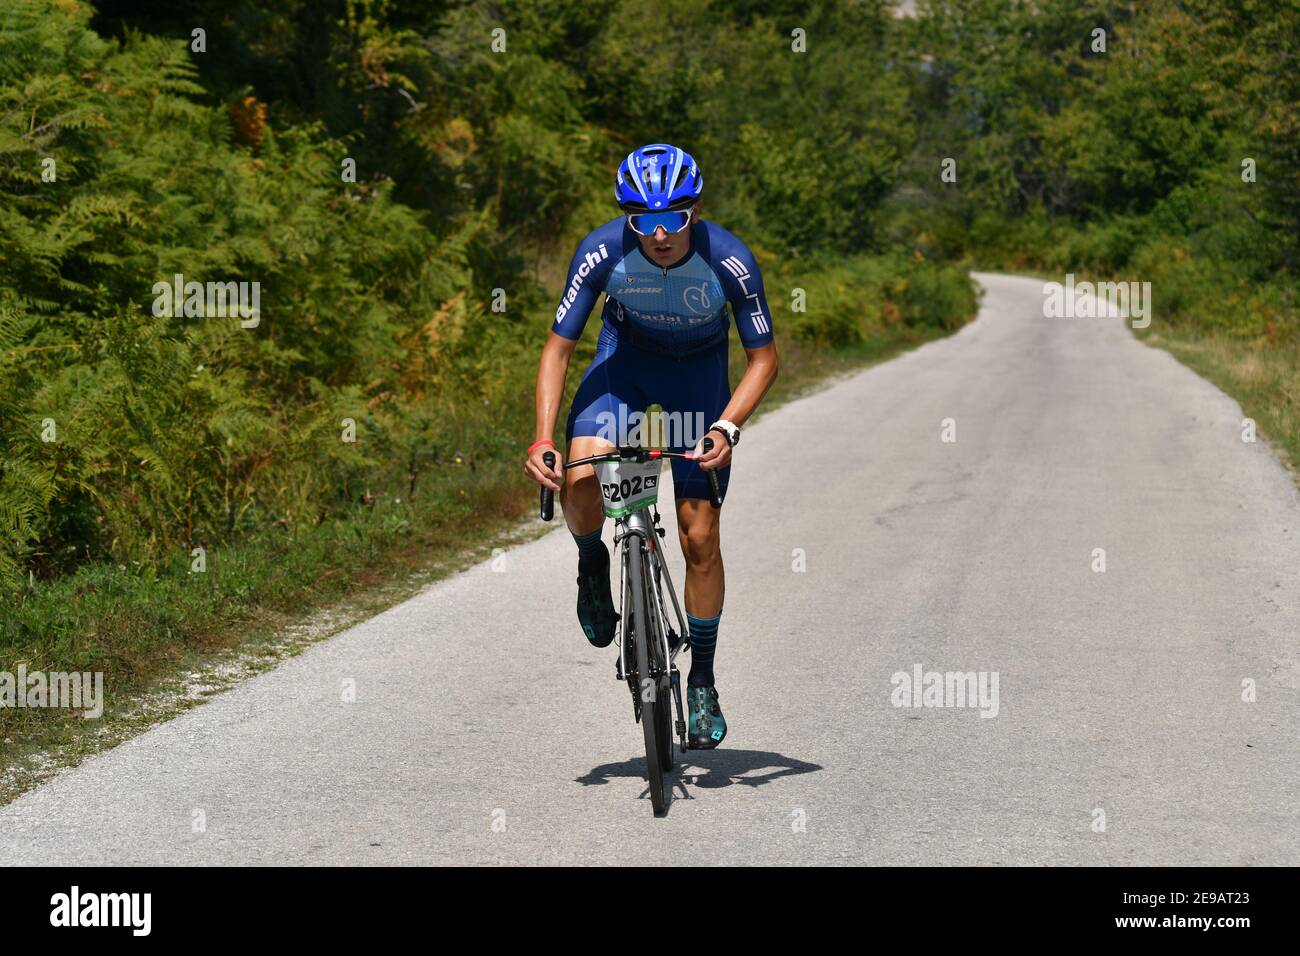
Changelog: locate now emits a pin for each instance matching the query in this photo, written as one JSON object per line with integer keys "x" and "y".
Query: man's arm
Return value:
{"x": 753, "y": 385}
{"x": 551, "y": 372}
{"x": 587, "y": 273}
{"x": 586, "y": 280}
{"x": 743, "y": 283}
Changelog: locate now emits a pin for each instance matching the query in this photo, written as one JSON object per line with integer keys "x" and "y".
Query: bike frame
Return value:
{"x": 641, "y": 529}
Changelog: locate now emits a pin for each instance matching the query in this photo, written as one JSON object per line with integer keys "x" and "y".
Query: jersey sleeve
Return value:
{"x": 591, "y": 265}
{"x": 743, "y": 282}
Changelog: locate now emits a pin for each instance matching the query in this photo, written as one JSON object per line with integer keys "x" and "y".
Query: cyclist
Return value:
{"x": 667, "y": 276}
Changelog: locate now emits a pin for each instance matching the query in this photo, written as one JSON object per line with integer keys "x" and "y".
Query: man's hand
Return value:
{"x": 719, "y": 456}
{"x": 535, "y": 468}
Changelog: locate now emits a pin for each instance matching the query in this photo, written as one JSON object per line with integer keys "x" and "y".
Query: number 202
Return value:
{"x": 615, "y": 491}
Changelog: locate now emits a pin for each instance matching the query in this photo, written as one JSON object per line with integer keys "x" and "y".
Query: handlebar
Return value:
{"x": 629, "y": 453}
{"x": 548, "y": 496}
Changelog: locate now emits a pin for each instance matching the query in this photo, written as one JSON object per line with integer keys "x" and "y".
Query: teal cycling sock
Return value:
{"x": 704, "y": 640}
{"x": 592, "y": 554}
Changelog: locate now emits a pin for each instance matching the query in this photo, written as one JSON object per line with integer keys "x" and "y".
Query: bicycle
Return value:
{"x": 648, "y": 645}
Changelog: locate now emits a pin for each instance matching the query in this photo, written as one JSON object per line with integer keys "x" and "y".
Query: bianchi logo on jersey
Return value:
{"x": 589, "y": 262}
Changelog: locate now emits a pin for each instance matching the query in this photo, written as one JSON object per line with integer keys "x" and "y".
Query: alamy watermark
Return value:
{"x": 1071, "y": 301}
{"x": 922, "y": 688}
{"x": 211, "y": 300}
{"x": 133, "y": 911}
{"x": 652, "y": 429}
{"x": 57, "y": 689}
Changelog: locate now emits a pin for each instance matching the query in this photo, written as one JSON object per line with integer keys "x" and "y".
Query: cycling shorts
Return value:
{"x": 624, "y": 379}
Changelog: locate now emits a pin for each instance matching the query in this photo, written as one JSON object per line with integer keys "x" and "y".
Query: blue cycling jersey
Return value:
{"x": 680, "y": 309}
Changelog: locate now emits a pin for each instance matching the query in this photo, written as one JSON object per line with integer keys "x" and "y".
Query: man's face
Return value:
{"x": 665, "y": 248}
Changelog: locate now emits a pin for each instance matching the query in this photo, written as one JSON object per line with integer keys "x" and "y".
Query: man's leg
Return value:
{"x": 584, "y": 514}
{"x": 698, "y": 530}
{"x": 580, "y": 493}
{"x": 703, "y": 393}
{"x": 606, "y": 385}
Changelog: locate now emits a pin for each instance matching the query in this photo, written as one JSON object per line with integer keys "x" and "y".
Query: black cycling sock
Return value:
{"x": 592, "y": 553}
{"x": 704, "y": 641}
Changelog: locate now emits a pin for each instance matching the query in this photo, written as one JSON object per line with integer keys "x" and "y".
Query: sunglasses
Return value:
{"x": 645, "y": 223}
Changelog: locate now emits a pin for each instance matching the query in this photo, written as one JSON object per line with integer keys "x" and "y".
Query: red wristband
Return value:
{"x": 538, "y": 444}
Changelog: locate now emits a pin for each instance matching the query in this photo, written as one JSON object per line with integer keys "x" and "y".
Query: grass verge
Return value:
{"x": 1265, "y": 381}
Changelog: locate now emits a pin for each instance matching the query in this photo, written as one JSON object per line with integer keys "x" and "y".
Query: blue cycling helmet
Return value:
{"x": 658, "y": 178}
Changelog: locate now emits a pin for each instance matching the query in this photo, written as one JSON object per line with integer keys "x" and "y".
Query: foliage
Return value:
{"x": 479, "y": 166}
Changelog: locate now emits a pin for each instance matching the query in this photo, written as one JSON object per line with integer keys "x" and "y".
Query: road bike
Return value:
{"x": 647, "y": 641}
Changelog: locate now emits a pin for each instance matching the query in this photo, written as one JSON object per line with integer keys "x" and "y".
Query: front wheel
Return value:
{"x": 664, "y": 695}
{"x": 654, "y": 703}
{"x": 664, "y": 723}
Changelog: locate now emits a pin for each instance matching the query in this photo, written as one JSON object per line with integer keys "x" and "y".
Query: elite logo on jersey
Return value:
{"x": 741, "y": 272}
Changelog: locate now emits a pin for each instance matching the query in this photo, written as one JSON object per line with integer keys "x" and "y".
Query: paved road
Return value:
{"x": 485, "y": 730}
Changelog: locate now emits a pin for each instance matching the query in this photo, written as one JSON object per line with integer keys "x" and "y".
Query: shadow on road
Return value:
{"x": 709, "y": 770}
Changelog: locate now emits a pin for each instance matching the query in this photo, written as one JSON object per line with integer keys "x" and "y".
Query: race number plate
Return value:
{"x": 628, "y": 486}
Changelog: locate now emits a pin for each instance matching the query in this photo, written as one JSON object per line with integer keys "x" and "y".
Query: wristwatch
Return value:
{"x": 731, "y": 431}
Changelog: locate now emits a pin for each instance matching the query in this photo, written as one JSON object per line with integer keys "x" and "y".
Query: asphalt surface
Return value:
{"x": 485, "y": 730}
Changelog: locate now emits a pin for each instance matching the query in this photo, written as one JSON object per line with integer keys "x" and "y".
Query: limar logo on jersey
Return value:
{"x": 641, "y": 289}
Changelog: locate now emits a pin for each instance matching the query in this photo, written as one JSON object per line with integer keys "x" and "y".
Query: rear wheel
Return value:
{"x": 653, "y": 702}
